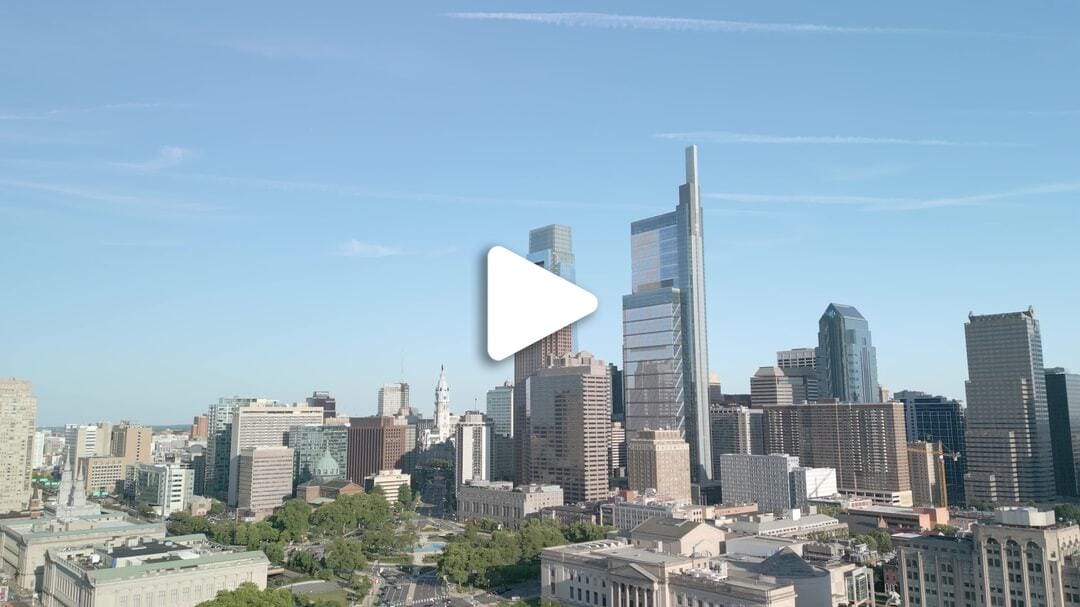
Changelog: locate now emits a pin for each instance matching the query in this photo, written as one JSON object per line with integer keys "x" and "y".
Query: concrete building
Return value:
{"x": 769, "y": 386}
{"x": 937, "y": 419}
{"x": 629, "y": 514}
{"x": 569, "y": 404}
{"x": 500, "y": 408}
{"x": 794, "y": 525}
{"x": 472, "y": 449}
{"x": 505, "y": 503}
{"x": 200, "y": 428}
{"x": 132, "y": 443}
{"x": 165, "y": 488}
{"x": 326, "y": 402}
{"x": 1063, "y": 401}
{"x": 219, "y": 437}
{"x": 104, "y": 474}
{"x": 265, "y": 425}
{"x": 736, "y": 429}
{"x": 874, "y": 517}
{"x": 800, "y": 368}
{"x": 660, "y": 460}
{"x": 394, "y": 400}
{"x": 864, "y": 442}
{"x": 1009, "y": 457}
{"x": 816, "y": 585}
{"x": 846, "y": 358}
{"x": 18, "y": 409}
{"x": 389, "y": 482}
{"x": 923, "y": 466}
{"x": 311, "y": 442}
{"x": 264, "y": 480}
{"x": 665, "y": 350}
{"x": 617, "y": 450}
{"x": 1022, "y": 557}
{"x": 776, "y": 483}
{"x": 87, "y": 440}
{"x": 375, "y": 443}
{"x": 183, "y": 571}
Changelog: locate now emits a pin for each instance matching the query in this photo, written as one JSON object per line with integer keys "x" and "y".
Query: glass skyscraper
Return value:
{"x": 938, "y": 419}
{"x": 846, "y": 359}
{"x": 1063, "y": 399}
{"x": 665, "y": 355}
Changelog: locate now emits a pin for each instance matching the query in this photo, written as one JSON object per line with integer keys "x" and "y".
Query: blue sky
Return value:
{"x": 211, "y": 199}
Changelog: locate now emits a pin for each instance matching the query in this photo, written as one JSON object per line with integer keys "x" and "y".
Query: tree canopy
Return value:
{"x": 249, "y": 595}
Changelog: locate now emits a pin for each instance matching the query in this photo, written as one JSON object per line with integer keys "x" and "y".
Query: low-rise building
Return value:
{"x": 794, "y": 525}
{"x": 389, "y": 482}
{"x": 182, "y": 571}
{"x": 895, "y": 518}
{"x": 630, "y": 514}
{"x": 505, "y": 503}
{"x": 775, "y": 482}
{"x": 816, "y": 585}
{"x": 675, "y": 536}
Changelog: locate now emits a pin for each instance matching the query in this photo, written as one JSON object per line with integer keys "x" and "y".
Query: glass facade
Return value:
{"x": 310, "y": 442}
{"x": 846, "y": 358}
{"x": 654, "y": 392}
{"x": 1063, "y": 399}
{"x": 938, "y": 419}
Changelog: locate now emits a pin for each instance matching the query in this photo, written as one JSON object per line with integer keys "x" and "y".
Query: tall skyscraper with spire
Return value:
{"x": 550, "y": 247}
{"x": 665, "y": 354}
{"x": 444, "y": 427}
{"x": 846, "y": 358}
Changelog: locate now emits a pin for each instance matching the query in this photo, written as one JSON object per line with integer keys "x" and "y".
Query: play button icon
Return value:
{"x": 526, "y": 303}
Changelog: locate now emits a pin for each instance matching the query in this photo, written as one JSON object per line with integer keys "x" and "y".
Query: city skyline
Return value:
{"x": 184, "y": 238}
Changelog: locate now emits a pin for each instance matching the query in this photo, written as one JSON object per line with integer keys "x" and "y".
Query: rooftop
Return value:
{"x": 668, "y": 527}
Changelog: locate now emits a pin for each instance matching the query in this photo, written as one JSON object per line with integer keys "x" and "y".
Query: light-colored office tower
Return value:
{"x": 797, "y": 358}
{"x": 104, "y": 474}
{"x": 505, "y": 503}
{"x": 375, "y": 443}
{"x": 660, "y": 460}
{"x": 769, "y": 386}
{"x": 800, "y": 367}
{"x": 569, "y": 404}
{"x": 265, "y": 425}
{"x": 846, "y": 358}
{"x": 220, "y": 415}
{"x": 86, "y": 440}
{"x": 500, "y": 408}
{"x": 775, "y": 482}
{"x": 389, "y": 482}
{"x": 472, "y": 449}
{"x": 200, "y": 428}
{"x": 18, "y": 410}
{"x": 550, "y": 247}
{"x": 1063, "y": 400}
{"x": 133, "y": 443}
{"x": 864, "y": 442}
{"x": 184, "y": 571}
{"x": 37, "y": 456}
{"x": 922, "y": 463}
{"x": 665, "y": 355}
{"x": 1009, "y": 457}
{"x": 264, "y": 479}
{"x": 309, "y": 443}
{"x": 394, "y": 400}
{"x": 617, "y": 450}
{"x": 1022, "y": 557}
{"x": 164, "y": 488}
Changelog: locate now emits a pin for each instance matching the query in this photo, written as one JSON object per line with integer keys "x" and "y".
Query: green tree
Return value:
{"x": 360, "y": 583}
{"x": 275, "y": 551}
{"x": 216, "y": 507}
{"x": 585, "y": 531}
{"x": 223, "y": 532}
{"x": 948, "y": 530}
{"x": 304, "y": 562}
{"x": 249, "y": 595}
{"x": 1067, "y": 512}
{"x": 293, "y": 519}
{"x": 344, "y": 556}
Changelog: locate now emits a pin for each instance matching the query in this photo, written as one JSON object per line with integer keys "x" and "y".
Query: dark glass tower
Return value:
{"x": 938, "y": 419}
{"x": 1063, "y": 400}
{"x": 846, "y": 359}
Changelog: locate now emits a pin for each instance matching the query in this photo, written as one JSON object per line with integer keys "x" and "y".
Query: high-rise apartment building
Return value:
{"x": 569, "y": 404}
{"x": 18, "y": 410}
{"x": 937, "y": 419}
{"x": 264, "y": 479}
{"x": 550, "y": 247}
{"x": 500, "y": 408}
{"x": 776, "y": 483}
{"x": 311, "y": 442}
{"x": 769, "y": 386}
{"x": 665, "y": 354}
{"x": 324, "y": 401}
{"x": 1009, "y": 457}
{"x": 846, "y": 358}
{"x": 394, "y": 400}
{"x": 264, "y": 425}
{"x": 472, "y": 449}
{"x": 1063, "y": 401}
{"x": 736, "y": 429}
{"x": 200, "y": 428}
{"x": 219, "y": 437}
{"x": 923, "y": 469}
{"x": 133, "y": 443}
{"x": 864, "y": 442}
{"x": 375, "y": 443}
{"x": 660, "y": 460}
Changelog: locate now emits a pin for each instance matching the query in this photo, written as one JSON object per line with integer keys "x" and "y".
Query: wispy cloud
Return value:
{"x": 890, "y": 203}
{"x": 730, "y": 137}
{"x": 122, "y": 202}
{"x": 168, "y": 156}
{"x": 60, "y": 112}
{"x": 683, "y": 24}
{"x": 357, "y": 248}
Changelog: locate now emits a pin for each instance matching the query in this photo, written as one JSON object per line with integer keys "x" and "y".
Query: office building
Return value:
{"x": 183, "y": 571}
{"x": 776, "y": 483}
{"x": 500, "y": 408}
{"x": 660, "y": 460}
{"x": 375, "y": 443}
{"x": 104, "y": 475}
{"x": 800, "y": 367}
{"x": 504, "y": 503}
{"x": 503, "y": 457}
{"x": 200, "y": 428}
{"x": 1009, "y": 457}
{"x": 736, "y": 429}
{"x": 1063, "y": 402}
{"x": 617, "y": 450}
{"x": 472, "y": 449}
{"x": 164, "y": 488}
{"x": 629, "y": 514}
{"x": 937, "y": 419}
{"x": 769, "y": 386}
{"x": 133, "y": 443}
{"x": 324, "y": 401}
{"x": 87, "y": 440}
{"x": 550, "y": 247}
{"x": 846, "y": 358}
{"x": 923, "y": 467}
{"x": 864, "y": 442}
{"x": 618, "y": 408}
{"x": 394, "y": 400}
{"x": 219, "y": 438}
{"x": 665, "y": 354}
{"x": 37, "y": 454}
{"x": 569, "y": 404}
{"x": 389, "y": 482}
{"x": 18, "y": 409}
{"x": 311, "y": 442}
{"x": 264, "y": 480}
{"x": 265, "y": 425}
{"x": 1022, "y": 557}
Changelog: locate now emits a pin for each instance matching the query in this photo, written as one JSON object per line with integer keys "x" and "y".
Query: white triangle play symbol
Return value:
{"x": 526, "y": 303}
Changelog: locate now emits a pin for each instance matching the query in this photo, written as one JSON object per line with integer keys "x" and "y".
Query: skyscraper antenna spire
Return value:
{"x": 691, "y": 164}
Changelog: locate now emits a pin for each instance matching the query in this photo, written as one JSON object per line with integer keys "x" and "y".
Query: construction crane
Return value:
{"x": 939, "y": 453}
